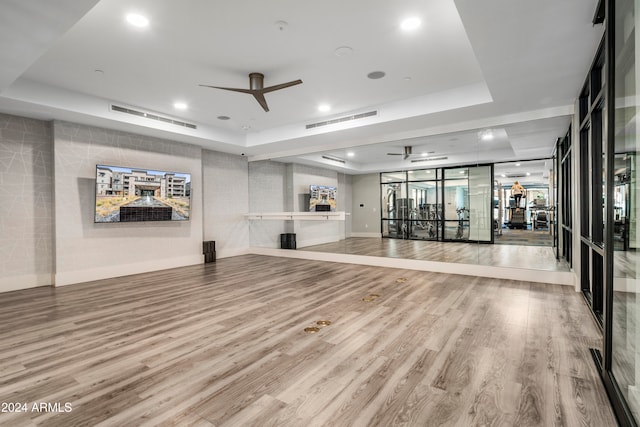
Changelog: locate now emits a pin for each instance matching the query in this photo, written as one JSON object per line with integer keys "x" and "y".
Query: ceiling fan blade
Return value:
{"x": 260, "y": 98}
{"x": 280, "y": 86}
{"x": 233, "y": 89}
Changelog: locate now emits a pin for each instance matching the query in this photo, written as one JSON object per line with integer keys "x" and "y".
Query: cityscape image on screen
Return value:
{"x": 132, "y": 195}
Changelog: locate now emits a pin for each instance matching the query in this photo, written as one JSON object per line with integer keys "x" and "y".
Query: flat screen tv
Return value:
{"x": 322, "y": 198}
{"x": 131, "y": 195}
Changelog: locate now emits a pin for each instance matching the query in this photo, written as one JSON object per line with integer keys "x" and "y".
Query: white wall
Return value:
{"x": 26, "y": 211}
{"x": 366, "y": 219}
{"x": 225, "y": 190}
{"x": 89, "y": 251}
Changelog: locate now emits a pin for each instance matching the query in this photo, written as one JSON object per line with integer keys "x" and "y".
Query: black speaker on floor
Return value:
{"x": 288, "y": 241}
{"x": 209, "y": 251}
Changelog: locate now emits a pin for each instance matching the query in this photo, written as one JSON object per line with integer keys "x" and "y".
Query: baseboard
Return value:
{"x": 108, "y": 272}
{"x": 228, "y": 253}
{"x": 25, "y": 281}
{"x": 510, "y": 273}
{"x": 376, "y": 235}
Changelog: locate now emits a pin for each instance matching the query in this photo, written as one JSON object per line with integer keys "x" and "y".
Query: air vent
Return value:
{"x": 429, "y": 159}
{"x": 343, "y": 119}
{"x": 334, "y": 159}
{"x": 151, "y": 116}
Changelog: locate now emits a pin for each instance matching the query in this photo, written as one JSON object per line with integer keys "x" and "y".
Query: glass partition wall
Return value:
{"x": 451, "y": 204}
{"x": 621, "y": 364}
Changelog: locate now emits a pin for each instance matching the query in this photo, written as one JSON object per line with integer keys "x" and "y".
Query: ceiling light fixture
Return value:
{"x": 343, "y": 51}
{"x": 517, "y": 164}
{"x": 486, "y": 135}
{"x": 137, "y": 20}
{"x": 410, "y": 23}
{"x": 350, "y": 154}
{"x": 180, "y": 106}
{"x": 324, "y": 108}
{"x": 375, "y": 75}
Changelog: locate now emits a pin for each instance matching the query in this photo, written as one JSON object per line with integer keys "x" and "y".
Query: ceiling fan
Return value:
{"x": 408, "y": 152}
{"x": 257, "y": 89}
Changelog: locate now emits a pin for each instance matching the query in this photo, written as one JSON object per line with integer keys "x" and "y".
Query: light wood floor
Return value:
{"x": 516, "y": 256}
{"x": 224, "y": 345}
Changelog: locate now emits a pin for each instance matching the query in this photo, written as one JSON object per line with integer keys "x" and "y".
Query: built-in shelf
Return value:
{"x": 296, "y": 216}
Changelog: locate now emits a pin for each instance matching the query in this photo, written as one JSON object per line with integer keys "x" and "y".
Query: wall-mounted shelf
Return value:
{"x": 296, "y": 216}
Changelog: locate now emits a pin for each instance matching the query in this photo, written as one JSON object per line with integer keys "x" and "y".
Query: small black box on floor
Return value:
{"x": 208, "y": 246}
{"x": 288, "y": 241}
{"x": 209, "y": 251}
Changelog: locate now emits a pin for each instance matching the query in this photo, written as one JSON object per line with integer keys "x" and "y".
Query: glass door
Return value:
{"x": 456, "y": 204}
{"x": 622, "y": 336}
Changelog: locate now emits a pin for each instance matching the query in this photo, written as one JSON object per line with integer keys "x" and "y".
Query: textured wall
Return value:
{"x": 88, "y": 251}
{"x": 225, "y": 191}
{"x": 26, "y": 207}
{"x": 267, "y": 188}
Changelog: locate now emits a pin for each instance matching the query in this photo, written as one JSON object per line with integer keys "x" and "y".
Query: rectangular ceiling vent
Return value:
{"x": 429, "y": 159}
{"x": 343, "y": 119}
{"x": 151, "y": 116}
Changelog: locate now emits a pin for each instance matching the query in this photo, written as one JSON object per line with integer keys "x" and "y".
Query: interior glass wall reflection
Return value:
{"x": 625, "y": 358}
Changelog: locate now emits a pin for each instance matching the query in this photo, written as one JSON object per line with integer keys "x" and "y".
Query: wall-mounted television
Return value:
{"x": 322, "y": 198}
{"x": 130, "y": 195}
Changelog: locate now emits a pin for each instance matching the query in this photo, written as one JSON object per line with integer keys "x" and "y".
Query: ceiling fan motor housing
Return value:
{"x": 256, "y": 81}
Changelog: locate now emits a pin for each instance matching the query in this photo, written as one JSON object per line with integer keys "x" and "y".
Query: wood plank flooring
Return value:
{"x": 224, "y": 345}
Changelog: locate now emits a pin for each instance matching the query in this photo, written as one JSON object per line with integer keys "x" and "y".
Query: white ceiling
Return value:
{"x": 512, "y": 67}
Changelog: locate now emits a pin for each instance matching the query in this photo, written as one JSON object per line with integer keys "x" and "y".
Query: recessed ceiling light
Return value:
{"x": 343, "y": 51}
{"x": 223, "y": 117}
{"x": 410, "y": 23}
{"x": 486, "y": 135}
{"x": 528, "y": 173}
{"x": 137, "y": 20}
{"x": 375, "y": 75}
{"x": 517, "y": 164}
{"x": 180, "y": 106}
{"x": 324, "y": 108}
{"x": 503, "y": 175}
{"x": 350, "y": 154}
{"x": 461, "y": 171}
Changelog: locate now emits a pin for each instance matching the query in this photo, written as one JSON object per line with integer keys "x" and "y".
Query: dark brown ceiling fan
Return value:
{"x": 408, "y": 152}
{"x": 257, "y": 89}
